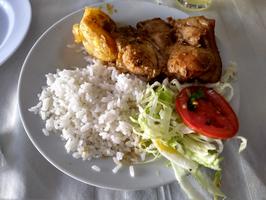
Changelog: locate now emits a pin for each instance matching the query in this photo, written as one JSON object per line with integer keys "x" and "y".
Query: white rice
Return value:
{"x": 45, "y": 132}
{"x": 131, "y": 171}
{"x": 96, "y": 168}
{"x": 90, "y": 108}
{"x": 117, "y": 168}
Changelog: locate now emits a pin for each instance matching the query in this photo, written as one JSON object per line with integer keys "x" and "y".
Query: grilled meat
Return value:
{"x": 158, "y": 31}
{"x": 195, "y": 56}
{"x": 136, "y": 54}
{"x": 187, "y": 63}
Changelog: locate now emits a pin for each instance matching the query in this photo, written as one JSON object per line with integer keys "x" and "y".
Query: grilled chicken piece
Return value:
{"x": 194, "y": 31}
{"x": 195, "y": 56}
{"x": 136, "y": 54}
{"x": 161, "y": 34}
{"x": 187, "y": 63}
{"x": 124, "y": 35}
{"x": 159, "y": 31}
{"x": 141, "y": 58}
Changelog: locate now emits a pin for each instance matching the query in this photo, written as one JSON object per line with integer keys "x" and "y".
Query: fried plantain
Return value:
{"x": 94, "y": 32}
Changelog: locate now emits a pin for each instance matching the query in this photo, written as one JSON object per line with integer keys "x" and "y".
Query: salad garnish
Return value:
{"x": 163, "y": 132}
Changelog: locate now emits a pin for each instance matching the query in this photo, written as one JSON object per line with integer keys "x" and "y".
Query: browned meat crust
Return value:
{"x": 160, "y": 32}
{"x": 136, "y": 53}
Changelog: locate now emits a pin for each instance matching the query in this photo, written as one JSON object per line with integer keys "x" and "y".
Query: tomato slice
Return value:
{"x": 207, "y": 112}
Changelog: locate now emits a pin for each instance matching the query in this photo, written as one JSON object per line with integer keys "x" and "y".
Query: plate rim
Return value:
{"x": 25, "y": 28}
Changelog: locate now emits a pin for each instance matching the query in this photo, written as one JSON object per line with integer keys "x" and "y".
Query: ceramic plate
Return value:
{"x": 50, "y": 52}
{"x": 15, "y": 17}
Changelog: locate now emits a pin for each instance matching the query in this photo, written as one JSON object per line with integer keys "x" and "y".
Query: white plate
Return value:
{"x": 46, "y": 55}
{"x": 15, "y": 17}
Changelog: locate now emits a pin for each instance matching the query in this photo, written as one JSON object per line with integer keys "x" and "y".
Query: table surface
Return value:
{"x": 242, "y": 25}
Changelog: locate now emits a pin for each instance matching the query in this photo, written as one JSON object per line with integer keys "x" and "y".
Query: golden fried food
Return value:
{"x": 94, "y": 32}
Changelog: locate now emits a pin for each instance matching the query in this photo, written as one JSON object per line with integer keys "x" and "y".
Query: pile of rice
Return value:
{"x": 90, "y": 108}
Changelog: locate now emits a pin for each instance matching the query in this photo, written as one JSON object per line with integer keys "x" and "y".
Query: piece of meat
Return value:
{"x": 195, "y": 56}
{"x": 195, "y": 31}
{"x": 140, "y": 57}
{"x": 136, "y": 54}
{"x": 123, "y": 35}
{"x": 188, "y": 63}
{"x": 159, "y": 32}
{"x": 211, "y": 76}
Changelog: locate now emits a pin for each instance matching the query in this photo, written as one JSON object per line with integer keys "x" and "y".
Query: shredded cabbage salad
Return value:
{"x": 164, "y": 134}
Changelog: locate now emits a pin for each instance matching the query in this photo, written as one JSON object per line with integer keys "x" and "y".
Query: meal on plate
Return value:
{"x": 150, "y": 91}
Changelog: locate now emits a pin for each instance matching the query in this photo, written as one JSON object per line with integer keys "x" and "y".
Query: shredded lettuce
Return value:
{"x": 243, "y": 143}
{"x": 182, "y": 178}
{"x": 174, "y": 156}
{"x": 199, "y": 177}
{"x": 208, "y": 185}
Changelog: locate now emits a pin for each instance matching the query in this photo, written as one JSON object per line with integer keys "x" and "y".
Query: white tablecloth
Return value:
{"x": 241, "y": 26}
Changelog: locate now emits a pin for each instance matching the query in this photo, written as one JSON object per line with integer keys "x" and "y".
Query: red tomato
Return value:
{"x": 207, "y": 112}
